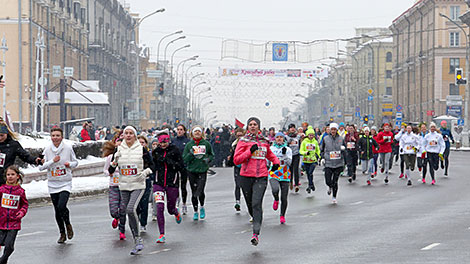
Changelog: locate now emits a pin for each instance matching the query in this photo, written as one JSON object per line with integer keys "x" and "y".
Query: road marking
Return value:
{"x": 159, "y": 251}
{"x": 243, "y": 231}
{"x": 433, "y": 245}
{"x": 31, "y": 234}
{"x": 358, "y": 203}
{"x": 312, "y": 214}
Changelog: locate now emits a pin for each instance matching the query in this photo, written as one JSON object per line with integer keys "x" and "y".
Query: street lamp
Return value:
{"x": 174, "y": 52}
{"x": 166, "y": 48}
{"x": 192, "y": 98}
{"x": 172, "y": 103}
{"x": 151, "y": 14}
{"x": 4, "y": 49}
{"x": 160, "y": 42}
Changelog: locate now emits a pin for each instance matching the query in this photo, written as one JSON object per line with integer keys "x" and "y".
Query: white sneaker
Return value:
{"x": 251, "y": 220}
{"x": 185, "y": 209}
{"x": 143, "y": 229}
{"x": 334, "y": 201}
{"x": 154, "y": 218}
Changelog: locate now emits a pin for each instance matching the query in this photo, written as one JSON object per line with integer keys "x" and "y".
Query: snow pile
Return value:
{"x": 88, "y": 160}
{"x": 32, "y": 143}
{"x": 38, "y": 189}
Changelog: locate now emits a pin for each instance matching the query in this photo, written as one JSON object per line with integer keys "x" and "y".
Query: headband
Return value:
{"x": 164, "y": 138}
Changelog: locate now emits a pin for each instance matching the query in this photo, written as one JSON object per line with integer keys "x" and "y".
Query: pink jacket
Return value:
{"x": 254, "y": 164}
{"x": 13, "y": 202}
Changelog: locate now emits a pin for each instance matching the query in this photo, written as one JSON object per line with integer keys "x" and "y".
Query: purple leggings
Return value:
{"x": 171, "y": 197}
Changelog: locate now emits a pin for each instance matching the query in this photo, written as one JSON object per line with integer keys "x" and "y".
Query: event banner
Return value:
{"x": 291, "y": 73}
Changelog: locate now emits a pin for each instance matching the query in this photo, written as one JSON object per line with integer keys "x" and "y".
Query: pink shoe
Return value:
{"x": 115, "y": 223}
{"x": 122, "y": 236}
{"x": 433, "y": 182}
{"x": 275, "y": 205}
{"x": 401, "y": 176}
{"x": 424, "y": 181}
{"x": 283, "y": 220}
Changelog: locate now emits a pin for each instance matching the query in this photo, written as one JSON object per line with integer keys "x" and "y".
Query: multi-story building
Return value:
{"x": 427, "y": 50}
{"x": 148, "y": 91}
{"x": 64, "y": 25}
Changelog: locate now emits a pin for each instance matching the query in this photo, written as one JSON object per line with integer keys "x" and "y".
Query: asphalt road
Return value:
{"x": 370, "y": 224}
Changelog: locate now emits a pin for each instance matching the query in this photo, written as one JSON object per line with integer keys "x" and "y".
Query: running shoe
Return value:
{"x": 373, "y": 175}
{"x": 419, "y": 169}
{"x": 122, "y": 236}
{"x": 368, "y": 182}
{"x": 69, "y": 229}
{"x": 115, "y": 223}
{"x": 196, "y": 216}
{"x": 424, "y": 181}
{"x": 203, "y": 212}
{"x": 386, "y": 180}
{"x": 308, "y": 190}
{"x": 329, "y": 191}
{"x": 445, "y": 174}
{"x": 138, "y": 246}
{"x": 334, "y": 200}
{"x": 254, "y": 240}
{"x": 154, "y": 218}
{"x": 160, "y": 239}
{"x": 297, "y": 188}
{"x": 282, "y": 220}
{"x": 401, "y": 176}
{"x": 312, "y": 188}
{"x": 275, "y": 205}
{"x": 184, "y": 209}
{"x": 382, "y": 170}
{"x": 237, "y": 207}
{"x": 143, "y": 229}
{"x": 433, "y": 182}
{"x": 409, "y": 183}
{"x": 350, "y": 180}
{"x": 178, "y": 217}
{"x": 62, "y": 238}
{"x": 354, "y": 177}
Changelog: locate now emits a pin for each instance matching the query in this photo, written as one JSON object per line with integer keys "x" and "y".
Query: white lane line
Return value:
{"x": 358, "y": 203}
{"x": 31, "y": 234}
{"x": 433, "y": 245}
{"x": 312, "y": 214}
{"x": 243, "y": 231}
{"x": 159, "y": 251}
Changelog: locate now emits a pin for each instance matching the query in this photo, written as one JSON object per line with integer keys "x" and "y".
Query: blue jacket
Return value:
{"x": 180, "y": 143}
{"x": 447, "y": 134}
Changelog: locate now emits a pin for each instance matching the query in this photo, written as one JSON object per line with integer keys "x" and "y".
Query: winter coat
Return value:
{"x": 332, "y": 152}
{"x": 434, "y": 143}
{"x": 293, "y": 141}
{"x": 135, "y": 165}
{"x": 84, "y": 135}
{"x": 409, "y": 143}
{"x": 311, "y": 146}
{"x": 9, "y": 150}
{"x": 366, "y": 147}
{"x": 385, "y": 140}
{"x": 167, "y": 162}
{"x": 254, "y": 164}
{"x": 13, "y": 201}
{"x": 283, "y": 173}
{"x": 197, "y": 156}
{"x": 351, "y": 141}
{"x": 446, "y": 135}
{"x": 59, "y": 177}
{"x": 180, "y": 143}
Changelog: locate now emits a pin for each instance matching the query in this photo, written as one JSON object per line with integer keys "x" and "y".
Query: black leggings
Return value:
{"x": 446, "y": 160}
{"x": 143, "y": 207}
{"x": 433, "y": 160}
{"x": 331, "y": 178}
{"x": 351, "y": 161}
{"x": 62, "y": 216}
{"x": 295, "y": 168}
{"x": 236, "y": 176}
{"x": 284, "y": 186}
{"x": 423, "y": 164}
{"x": 198, "y": 184}
{"x": 184, "y": 181}
{"x": 253, "y": 191}
{"x": 7, "y": 239}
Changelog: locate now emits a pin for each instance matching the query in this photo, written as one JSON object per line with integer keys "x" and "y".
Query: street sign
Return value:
{"x": 370, "y": 91}
{"x": 340, "y": 114}
{"x": 332, "y": 109}
{"x": 154, "y": 73}
{"x": 370, "y": 98}
{"x": 399, "y": 108}
{"x": 358, "y": 114}
{"x": 387, "y": 109}
{"x": 358, "y": 109}
{"x": 68, "y": 71}
{"x": 460, "y": 122}
{"x": 430, "y": 113}
{"x": 454, "y": 110}
{"x": 332, "y": 105}
{"x": 42, "y": 81}
{"x": 398, "y": 123}
{"x": 399, "y": 116}
{"x": 56, "y": 71}
{"x": 371, "y": 117}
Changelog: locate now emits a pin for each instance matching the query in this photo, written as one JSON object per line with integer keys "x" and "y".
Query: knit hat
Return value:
{"x": 280, "y": 134}
{"x": 197, "y": 128}
{"x": 3, "y": 129}
{"x": 254, "y": 119}
{"x": 154, "y": 140}
{"x": 291, "y": 125}
{"x": 334, "y": 125}
{"x": 373, "y": 128}
{"x": 433, "y": 124}
{"x": 131, "y": 128}
{"x": 366, "y": 129}
{"x": 309, "y": 131}
{"x": 164, "y": 138}
{"x": 443, "y": 122}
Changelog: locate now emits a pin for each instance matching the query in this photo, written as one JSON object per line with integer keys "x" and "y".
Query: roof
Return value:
{"x": 74, "y": 98}
{"x": 407, "y": 10}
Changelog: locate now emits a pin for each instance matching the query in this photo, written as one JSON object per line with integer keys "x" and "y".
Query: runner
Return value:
{"x": 239, "y": 132}
{"x": 197, "y": 155}
{"x": 168, "y": 162}
{"x": 10, "y": 148}
{"x": 375, "y": 151}
{"x": 434, "y": 147}
{"x": 342, "y": 132}
{"x": 332, "y": 150}
{"x": 143, "y": 207}
{"x": 14, "y": 207}
{"x": 59, "y": 160}
{"x": 135, "y": 165}
{"x": 280, "y": 178}
{"x": 447, "y": 135}
{"x": 351, "y": 139}
{"x": 180, "y": 142}
{"x": 293, "y": 141}
{"x": 310, "y": 150}
{"x": 385, "y": 139}
{"x": 396, "y": 150}
{"x": 409, "y": 145}
{"x": 252, "y": 152}
{"x": 367, "y": 144}
{"x": 422, "y": 159}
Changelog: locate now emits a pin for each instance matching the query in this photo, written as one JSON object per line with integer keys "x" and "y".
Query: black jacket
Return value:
{"x": 365, "y": 145}
{"x": 180, "y": 143}
{"x": 12, "y": 149}
{"x": 167, "y": 163}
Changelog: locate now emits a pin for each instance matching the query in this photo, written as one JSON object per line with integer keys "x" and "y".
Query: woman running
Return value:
{"x": 168, "y": 162}
{"x": 197, "y": 156}
{"x": 280, "y": 178}
{"x": 135, "y": 165}
{"x": 367, "y": 144}
{"x": 180, "y": 142}
{"x": 59, "y": 160}
{"x": 434, "y": 147}
{"x": 409, "y": 145}
{"x": 239, "y": 132}
{"x": 375, "y": 151}
{"x": 447, "y": 136}
{"x": 293, "y": 141}
{"x": 14, "y": 207}
{"x": 252, "y": 153}
{"x": 422, "y": 160}
{"x": 385, "y": 140}
{"x": 310, "y": 150}
{"x": 143, "y": 208}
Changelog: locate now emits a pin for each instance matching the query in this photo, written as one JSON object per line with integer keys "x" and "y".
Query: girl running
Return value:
{"x": 409, "y": 145}
{"x": 310, "y": 150}
{"x": 434, "y": 147}
{"x": 366, "y": 145}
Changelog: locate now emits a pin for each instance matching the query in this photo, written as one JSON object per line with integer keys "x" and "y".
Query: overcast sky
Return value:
{"x": 207, "y": 22}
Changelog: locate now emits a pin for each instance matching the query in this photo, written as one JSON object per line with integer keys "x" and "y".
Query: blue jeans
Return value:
{"x": 309, "y": 169}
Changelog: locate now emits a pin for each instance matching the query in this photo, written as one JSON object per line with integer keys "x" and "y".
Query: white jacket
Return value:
{"x": 113, "y": 178}
{"x": 130, "y": 164}
{"x": 434, "y": 143}
{"x": 409, "y": 143}
{"x": 59, "y": 177}
{"x": 284, "y": 159}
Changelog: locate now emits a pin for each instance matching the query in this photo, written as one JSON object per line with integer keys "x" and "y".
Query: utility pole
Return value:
{"x": 465, "y": 18}
{"x": 4, "y": 49}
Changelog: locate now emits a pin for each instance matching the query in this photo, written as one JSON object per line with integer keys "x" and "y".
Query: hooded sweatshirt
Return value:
{"x": 283, "y": 173}
{"x": 197, "y": 155}
{"x": 13, "y": 201}
{"x": 311, "y": 146}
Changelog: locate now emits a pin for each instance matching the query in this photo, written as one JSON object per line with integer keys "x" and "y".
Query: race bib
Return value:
{"x": 260, "y": 153}
{"x": 129, "y": 170}
{"x": 159, "y": 197}
{"x": 58, "y": 171}
{"x": 199, "y": 150}
{"x": 116, "y": 178}
{"x": 409, "y": 147}
{"x": 351, "y": 145}
{"x": 433, "y": 143}
{"x": 335, "y": 155}
{"x": 10, "y": 201}
{"x": 3, "y": 156}
{"x": 310, "y": 147}
{"x": 387, "y": 138}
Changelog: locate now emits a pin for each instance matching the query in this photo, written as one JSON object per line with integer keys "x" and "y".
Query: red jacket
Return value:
{"x": 254, "y": 165}
{"x": 385, "y": 140}
{"x": 374, "y": 150}
{"x": 84, "y": 135}
{"x": 13, "y": 202}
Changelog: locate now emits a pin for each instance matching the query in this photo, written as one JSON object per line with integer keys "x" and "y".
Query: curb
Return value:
{"x": 43, "y": 201}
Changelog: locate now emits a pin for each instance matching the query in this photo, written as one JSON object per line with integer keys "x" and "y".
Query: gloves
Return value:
{"x": 275, "y": 167}
{"x": 322, "y": 162}
{"x": 307, "y": 153}
{"x": 401, "y": 150}
{"x": 441, "y": 157}
{"x": 423, "y": 156}
{"x": 453, "y": 141}
{"x": 343, "y": 148}
{"x": 146, "y": 172}
{"x": 284, "y": 150}
{"x": 254, "y": 148}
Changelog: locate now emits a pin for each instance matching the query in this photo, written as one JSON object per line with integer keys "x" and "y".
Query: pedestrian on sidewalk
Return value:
{"x": 59, "y": 160}
{"x": 253, "y": 152}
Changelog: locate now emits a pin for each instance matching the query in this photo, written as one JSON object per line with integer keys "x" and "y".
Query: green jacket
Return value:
{"x": 197, "y": 157}
{"x": 313, "y": 151}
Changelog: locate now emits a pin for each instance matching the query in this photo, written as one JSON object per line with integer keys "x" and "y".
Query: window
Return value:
{"x": 453, "y": 89}
{"x": 388, "y": 74}
{"x": 454, "y": 39}
{"x": 454, "y": 64}
{"x": 454, "y": 12}
{"x": 389, "y": 57}
{"x": 369, "y": 75}
{"x": 388, "y": 91}
{"x": 369, "y": 57}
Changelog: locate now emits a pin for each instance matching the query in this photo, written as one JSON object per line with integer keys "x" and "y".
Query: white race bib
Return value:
{"x": 3, "y": 156}
{"x": 335, "y": 155}
{"x": 260, "y": 153}
{"x": 159, "y": 197}
{"x": 128, "y": 170}
{"x": 199, "y": 150}
{"x": 433, "y": 143}
{"x": 351, "y": 145}
{"x": 116, "y": 178}
{"x": 387, "y": 138}
{"x": 58, "y": 171}
{"x": 310, "y": 147}
{"x": 409, "y": 147}
{"x": 10, "y": 201}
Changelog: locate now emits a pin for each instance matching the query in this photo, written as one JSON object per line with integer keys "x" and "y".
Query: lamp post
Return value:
{"x": 198, "y": 102}
{"x": 191, "y": 89}
{"x": 192, "y": 99}
{"x": 179, "y": 91}
{"x": 160, "y": 42}
{"x": 4, "y": 49}
{"x": 173, "y": 94}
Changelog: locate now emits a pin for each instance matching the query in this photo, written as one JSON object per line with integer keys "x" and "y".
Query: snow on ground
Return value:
{"x": 29, "y": 142}
{"x": 88, "y": 160}
{"x": 38, "y": 189}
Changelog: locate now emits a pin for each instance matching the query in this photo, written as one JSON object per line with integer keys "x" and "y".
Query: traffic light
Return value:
{"x": 366, "y": 119}
{"x": 160, "y": 89}
{"x": 331, "y": 119}
{"x": 459, "y": 77}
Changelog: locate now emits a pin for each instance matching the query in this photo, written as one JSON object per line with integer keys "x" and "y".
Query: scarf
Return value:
{"x": 197, "y": 141}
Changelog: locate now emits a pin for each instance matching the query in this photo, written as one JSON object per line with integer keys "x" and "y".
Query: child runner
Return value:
{"x": 310, "y": 150}
{"x": 366, "y": 145}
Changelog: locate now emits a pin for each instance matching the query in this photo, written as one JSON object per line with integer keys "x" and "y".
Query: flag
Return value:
{"x": 238, "y": 123}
